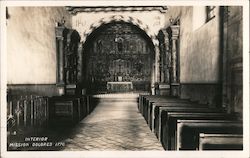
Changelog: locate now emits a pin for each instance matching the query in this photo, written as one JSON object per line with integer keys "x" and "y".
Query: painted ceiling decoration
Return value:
{"x": 117, "y": 18}
{"x": 75, "y": 10}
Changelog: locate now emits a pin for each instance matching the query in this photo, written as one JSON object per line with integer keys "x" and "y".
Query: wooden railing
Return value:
{"x": 24, "y": 112}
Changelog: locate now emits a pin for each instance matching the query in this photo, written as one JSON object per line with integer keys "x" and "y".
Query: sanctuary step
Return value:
{"x": 120, "y": 95}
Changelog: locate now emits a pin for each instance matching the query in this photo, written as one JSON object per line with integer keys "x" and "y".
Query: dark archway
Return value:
{"x": 117, "y": 52}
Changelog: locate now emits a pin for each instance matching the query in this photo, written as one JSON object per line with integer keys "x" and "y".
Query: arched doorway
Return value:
{"x": 118, "y": 53}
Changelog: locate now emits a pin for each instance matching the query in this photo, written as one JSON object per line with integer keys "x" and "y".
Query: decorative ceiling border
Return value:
{"x": 127, "y": 19}
{"x": 74, "y": 10}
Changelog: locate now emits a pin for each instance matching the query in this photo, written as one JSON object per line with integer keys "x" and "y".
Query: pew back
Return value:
{"x": 164, "y": 110}
{"x": 154, "y": 111}
{"x": 170, "y": 124}
{"x": 220, "y": 141}
{"x": 188, "y": 131}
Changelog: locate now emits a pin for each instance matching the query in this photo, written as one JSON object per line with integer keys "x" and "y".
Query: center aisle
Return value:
{"x": 115, "y": 124}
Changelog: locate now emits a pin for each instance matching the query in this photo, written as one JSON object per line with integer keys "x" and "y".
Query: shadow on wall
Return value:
{"x": 203, "y": 93}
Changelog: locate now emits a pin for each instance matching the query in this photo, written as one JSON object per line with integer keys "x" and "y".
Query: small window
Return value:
{"x": 202, "y": 14}
{"x": 199, "y": 16}
{"x": 210, "y": 12}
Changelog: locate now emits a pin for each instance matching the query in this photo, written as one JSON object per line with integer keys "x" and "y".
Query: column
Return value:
{"x": 225, "y": 68}
{"x": 162, "y": 63}
{"x": 79, "y": 63}
{"x": 174, "y": 72}
{"x": 60, "y": 55}
{"x": 164, "y": 87}
{"x": 60, "y": 62}
{"x": 157, "y": 64}
{"x": 153, "y": 78}
{"x": 167, "y": 57}
{"x": 157, "y": 70}
{"x": 60, "y": 59}
{"x": 175, "y": 35}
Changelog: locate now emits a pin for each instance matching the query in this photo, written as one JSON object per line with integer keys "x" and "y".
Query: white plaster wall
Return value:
{"x": 31, "y": 45}
{"x": 199, "y": 47}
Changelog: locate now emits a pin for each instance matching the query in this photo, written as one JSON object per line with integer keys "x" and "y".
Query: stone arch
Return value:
{"x": 117, "y": 18}
{"x": 89, "y": 43}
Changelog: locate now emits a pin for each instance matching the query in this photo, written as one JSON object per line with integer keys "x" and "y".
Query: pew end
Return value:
{"x": 220, "y": 141}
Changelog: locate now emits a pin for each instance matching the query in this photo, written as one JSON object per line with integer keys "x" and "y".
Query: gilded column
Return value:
{"x": 166, "y": 57}
{"x": 79, "y": 64}
{"x": 157, "y": 64}
{"x": 153, "y": 78}
{"x": 175, "y": 35}
{"x": 60, "y": 55}
{"x": 156, "y": 70}
{"x": 174, "y": 61}
{"x": 164, "y": 87}
{"x": 162, "y": 63}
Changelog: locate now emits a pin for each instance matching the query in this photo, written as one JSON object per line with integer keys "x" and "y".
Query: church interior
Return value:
{"x": 124, "y": 78}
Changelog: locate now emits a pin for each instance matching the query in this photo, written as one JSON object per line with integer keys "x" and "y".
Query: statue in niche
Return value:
{"x": 139, "y": 66}
{"x": 71, "y": 49}
{"x": 119, "y": 42}
{"x": 119, "y": 45}
{"x": 70, "y": 63}
{"x": 99, "y": 46}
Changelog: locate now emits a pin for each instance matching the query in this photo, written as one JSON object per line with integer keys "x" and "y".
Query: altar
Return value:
{"x": 119, "y": 86}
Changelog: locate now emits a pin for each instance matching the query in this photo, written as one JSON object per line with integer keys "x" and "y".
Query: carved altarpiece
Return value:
{"x": 67, "y": 42}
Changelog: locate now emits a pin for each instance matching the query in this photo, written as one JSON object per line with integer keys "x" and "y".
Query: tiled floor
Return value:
{"x": 115, "y": 124}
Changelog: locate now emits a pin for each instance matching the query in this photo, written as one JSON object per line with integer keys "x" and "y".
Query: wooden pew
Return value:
{"x": 83, "y": 107}
{"x": 152, "y": 109}
{"x": 83, "y": 104}
{"x": 150, "y": 104}
{"x": 169, "y": 125}
{"x": 146, "y": 100}
{"x": 65, "y": 110}
{"x": 176, "y": 108}
{"x": 140, "y": 100}
{"x": 220, "y": 141}
{"x": 188, "y": 131}
{"x": 91, "y": 103}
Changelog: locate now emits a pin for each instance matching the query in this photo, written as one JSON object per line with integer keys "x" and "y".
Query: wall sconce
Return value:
{"x": 119, "y": 41}
{"x": 175, "y": 21}
{"x": 171, "y": 20}
{"x": 7, "y": 15}
{"x": 61, "y": 91}
{"x": 61, "y": 22}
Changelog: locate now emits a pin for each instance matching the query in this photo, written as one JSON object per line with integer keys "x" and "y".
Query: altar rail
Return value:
{"x": 26, "y": 112}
